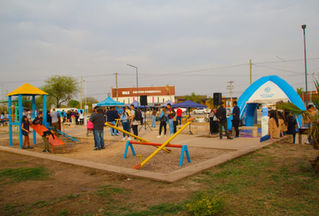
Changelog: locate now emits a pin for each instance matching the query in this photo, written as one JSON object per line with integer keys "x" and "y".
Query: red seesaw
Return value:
{"x": 155, "y": 144}
{"x": 183, "y": 147}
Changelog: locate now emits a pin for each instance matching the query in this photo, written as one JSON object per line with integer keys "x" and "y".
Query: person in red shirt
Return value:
{"x": 179, "y": 112}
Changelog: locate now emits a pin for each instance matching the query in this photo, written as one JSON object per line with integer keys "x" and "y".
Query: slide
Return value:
{"x": 40, "y": 129}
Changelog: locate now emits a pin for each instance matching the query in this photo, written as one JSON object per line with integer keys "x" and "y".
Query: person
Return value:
{"x": 292, "y": 125}
{"x": 125, "y": 123}
{"x": 2, "y": 119}
{"x": 179, "y": 113}
{"x": 310, "y": 119}
{"x": 236, "y": 120}
{"x": 25, "y": 127}
{"x": 213, "y": 122}
{"x": 142, "y": 115}
{"x": 273, "y": 125}
{"x": 55, "y": 119}
{"x": 153, "y": 117}
{"x": 77, "y": 116}
{"x": 135, "y": 117}
{"x": 81, "y": 117}
{"x": 45, "y": 135}
{"x": 112, "y": 115}
{"x": 49, "y": 119}
{"x": 222, "y": 121}
{"x": 170, "y": 116}
{"x": 97, "y": 118}
{"x": 163, "y": 122}
{"x": 282, "y": 124}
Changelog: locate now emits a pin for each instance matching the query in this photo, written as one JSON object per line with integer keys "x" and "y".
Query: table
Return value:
{"x": 302, "y": 130}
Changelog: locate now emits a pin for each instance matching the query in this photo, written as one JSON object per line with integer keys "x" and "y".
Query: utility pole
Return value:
{"x": 230, "y": 87}
{"x": 81, "y": 88}
{"x": 305, "y": 59}
{"x": 251, "y": 71}
{"x": 116, "y": 86}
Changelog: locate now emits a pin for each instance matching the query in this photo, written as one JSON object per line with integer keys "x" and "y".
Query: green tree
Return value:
{"x": 89, "y": 101}
{"x": 300, "y": 91}
{"x": 74, "y": 104}
{"x": 61, "y": 88}
{"x": 193, "y": 97}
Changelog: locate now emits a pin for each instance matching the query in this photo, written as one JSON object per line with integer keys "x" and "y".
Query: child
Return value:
{"x": 45, "y": 135}
{"x": 25, "y": 131}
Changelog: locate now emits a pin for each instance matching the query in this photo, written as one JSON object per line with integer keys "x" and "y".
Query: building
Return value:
{"x": 155, "y": 95}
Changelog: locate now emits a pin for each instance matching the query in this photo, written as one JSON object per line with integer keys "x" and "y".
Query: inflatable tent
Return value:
{"x": 267, "y": 90}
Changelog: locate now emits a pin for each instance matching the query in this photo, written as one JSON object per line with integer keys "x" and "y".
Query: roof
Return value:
{"x": 27, "y": 89}
{"x": 189, "y": 104}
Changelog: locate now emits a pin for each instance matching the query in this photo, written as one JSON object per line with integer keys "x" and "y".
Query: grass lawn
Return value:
{"x": 276, "y": 180}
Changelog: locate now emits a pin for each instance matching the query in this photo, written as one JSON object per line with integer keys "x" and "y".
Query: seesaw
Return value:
{"x": 166, "y": 143}
{"x": 184, "y": 149}
{"x": 132, "y": 135}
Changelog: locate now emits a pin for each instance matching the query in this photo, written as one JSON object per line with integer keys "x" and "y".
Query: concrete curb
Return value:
{"x": 164, "y": 177}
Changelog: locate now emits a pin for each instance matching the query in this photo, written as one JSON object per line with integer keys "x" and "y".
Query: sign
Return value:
{"x": 267, "y": 93}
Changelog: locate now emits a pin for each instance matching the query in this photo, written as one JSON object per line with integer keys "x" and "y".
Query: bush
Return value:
{"x": 205, "y": 205}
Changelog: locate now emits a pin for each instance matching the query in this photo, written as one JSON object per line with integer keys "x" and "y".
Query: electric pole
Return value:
{"x": 116, "y": 86}
{"x": 251, "y": 71}
{"x": 230, "y": 87}
{"x": 81, "y": 87}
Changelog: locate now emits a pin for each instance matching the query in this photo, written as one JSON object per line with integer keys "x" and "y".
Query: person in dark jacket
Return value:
{"x": 222, "y": 121}
{"x": 236, "y": 120}
{"x": 292, "y": 126}
{"x": 97, "y": 118}
{"x": 112, "y": 115}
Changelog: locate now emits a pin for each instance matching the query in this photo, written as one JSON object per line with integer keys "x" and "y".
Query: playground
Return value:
{"x": 204, "y": 151}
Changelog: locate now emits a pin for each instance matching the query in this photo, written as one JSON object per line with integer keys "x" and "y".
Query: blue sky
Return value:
{"x": 198, "y": 46}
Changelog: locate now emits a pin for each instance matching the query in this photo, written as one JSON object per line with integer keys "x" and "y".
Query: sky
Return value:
{"x": 198, "y": 46}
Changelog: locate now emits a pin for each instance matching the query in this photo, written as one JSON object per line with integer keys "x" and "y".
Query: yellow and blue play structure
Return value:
{"x": 25, "y": 90}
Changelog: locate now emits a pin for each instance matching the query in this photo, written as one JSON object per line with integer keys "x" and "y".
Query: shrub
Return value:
{"x": 205, "y": 205}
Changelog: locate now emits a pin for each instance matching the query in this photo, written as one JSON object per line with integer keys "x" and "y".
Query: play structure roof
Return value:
{"x": 27, "y": 89}
{"x": 188, "y": 104}
{"x": 109, "y": 102}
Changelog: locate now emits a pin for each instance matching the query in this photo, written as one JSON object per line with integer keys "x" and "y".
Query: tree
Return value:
{"x": 74, "y": 104}
{"x": 61, "y": 88}
{"x": 314, "y": 129}
{"x": 193, "y": 97}
{"x": 89, "y": 101}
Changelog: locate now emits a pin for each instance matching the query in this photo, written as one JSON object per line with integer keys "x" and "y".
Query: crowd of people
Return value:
{"x": 130, "y": 117}
{"x": 279, "y": 123}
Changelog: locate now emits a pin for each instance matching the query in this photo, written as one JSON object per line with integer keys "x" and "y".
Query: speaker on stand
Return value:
{"x": 217, "y": 98}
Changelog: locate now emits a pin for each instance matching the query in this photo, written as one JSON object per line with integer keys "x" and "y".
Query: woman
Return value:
{"x": 163, "y": 119}
{"x": 25, "y": 127}
{"x": 273, "y": 126}
{"x": 282, "y": 124}
{"x": 154, "y": 118}
{"x": 125, "y": 123}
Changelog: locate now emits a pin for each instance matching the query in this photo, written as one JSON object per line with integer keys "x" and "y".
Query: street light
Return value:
{"x": 305, "y": 56}
{"x": 136, "y": 79}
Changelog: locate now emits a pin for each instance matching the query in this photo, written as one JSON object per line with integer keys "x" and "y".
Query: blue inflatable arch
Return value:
{"x": 249, "y": 109}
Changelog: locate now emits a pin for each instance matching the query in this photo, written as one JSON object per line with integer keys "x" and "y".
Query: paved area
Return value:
{"x": 239, "y": 147}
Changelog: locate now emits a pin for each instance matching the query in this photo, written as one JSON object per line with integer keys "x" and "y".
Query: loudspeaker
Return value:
{"x": 143, "y": 100}
{"x": 217, "y": 98}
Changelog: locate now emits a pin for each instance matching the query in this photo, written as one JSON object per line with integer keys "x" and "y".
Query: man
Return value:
{"x": 236, "y": 120}
{"x": 112, "y": 115}
{"x": 309, "y": 120}
{"x": 171, "y": 115}
{"x": 55, "y": 120}
{"x": 134, "y": 120}
{"x": 222, "y": 121}
{"x": 97, "y": 118}
{"x": 179, "y": 113}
